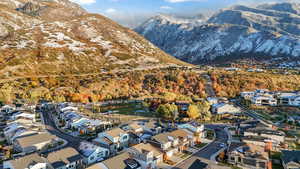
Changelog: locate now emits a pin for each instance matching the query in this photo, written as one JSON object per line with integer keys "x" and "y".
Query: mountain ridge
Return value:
{"x": 238, "y": 30}
{"x": 59, "y": 37}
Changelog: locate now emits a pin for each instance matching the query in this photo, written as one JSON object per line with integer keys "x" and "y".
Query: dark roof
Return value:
{"x": 290, "y": 156}
{"x": 198, "y": 164}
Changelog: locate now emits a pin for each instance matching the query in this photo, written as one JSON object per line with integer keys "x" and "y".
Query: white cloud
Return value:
{"x": 110, "y": 10}
{"x": 166, "y": 7}
{"x": 177, "y": 1}
{"x": 84, "y": 2}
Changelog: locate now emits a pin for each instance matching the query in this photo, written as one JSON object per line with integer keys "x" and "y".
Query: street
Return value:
{"x": 51, "y": 127}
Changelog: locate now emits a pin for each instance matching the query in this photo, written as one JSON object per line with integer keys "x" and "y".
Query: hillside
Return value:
{"x": 267, "y": 32}
{"x": 58, "y": 37}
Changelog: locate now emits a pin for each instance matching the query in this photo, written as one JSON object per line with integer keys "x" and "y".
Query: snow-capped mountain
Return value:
{"x": 51, "y": 37}
{"x": 264, "y": 32}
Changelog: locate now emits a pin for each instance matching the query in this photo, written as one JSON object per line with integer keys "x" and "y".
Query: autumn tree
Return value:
{"x": 167, "y": 111}
{"x": 193, "y": 111}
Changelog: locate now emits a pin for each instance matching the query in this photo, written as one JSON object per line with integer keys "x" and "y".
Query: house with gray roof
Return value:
{"x": 32, "y": 161}
{"x": 65, "y": 158}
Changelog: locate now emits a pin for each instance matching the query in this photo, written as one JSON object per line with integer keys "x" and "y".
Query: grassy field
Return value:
{"x": 136, "y": 109}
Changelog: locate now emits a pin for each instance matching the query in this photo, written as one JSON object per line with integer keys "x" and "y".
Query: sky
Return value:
{"x": 131, "y": 13}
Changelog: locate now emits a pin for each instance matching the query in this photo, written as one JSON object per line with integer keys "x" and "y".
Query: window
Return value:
{"x": 92, "y": 158}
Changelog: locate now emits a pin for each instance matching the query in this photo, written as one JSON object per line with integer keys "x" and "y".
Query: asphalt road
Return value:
{"x": 51, "y": 128}
{"x": 208, "y": 86}
{"x": 210, "y": 150}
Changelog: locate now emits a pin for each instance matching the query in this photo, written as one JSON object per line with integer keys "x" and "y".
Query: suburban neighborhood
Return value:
{"x": 62, "y": 135}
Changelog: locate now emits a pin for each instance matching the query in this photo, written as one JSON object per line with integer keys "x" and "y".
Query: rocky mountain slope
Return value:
{"x": 58, "y": 37}
{"x": 266, "y": 32}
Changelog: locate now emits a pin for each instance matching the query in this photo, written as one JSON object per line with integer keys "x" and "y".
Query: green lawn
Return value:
{"x": 128, "y": 109}
{"x": 210, "y": 134}
{"x": 200, "y": 145}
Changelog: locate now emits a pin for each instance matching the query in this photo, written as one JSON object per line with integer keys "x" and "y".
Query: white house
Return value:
{"x": 192, "y": 128}
{"x": 78, "y": 122}
{"x": 223, "y": 108}
{"x": 289, "y": 99}
{"x": 167, "y": 143}
{"x": 264, "y": 100}
{"x": 7, "y": 109}
{"x": 146, "y": 155}
{"x": 69, "y": 108}
{"x": 22, "y": 115}
{"x": 113, "y": 139}
{"x": 212, "y": 100}
{"x": 247, "y": 95}
{"x": 92, "y": 153}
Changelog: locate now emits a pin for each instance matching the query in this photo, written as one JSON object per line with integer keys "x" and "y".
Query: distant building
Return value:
{"x": 264, "y": 101}
{"x": 277, "y": 136}
{"x": 223, "y": 108}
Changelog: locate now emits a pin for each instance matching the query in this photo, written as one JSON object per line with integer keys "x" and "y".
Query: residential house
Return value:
{"x": 135, "y": 132}
{"x": 23, "y": 115}
{"x": 247, "y": 95}
{"x": 213, "y": 100}
{"x": 268, "y": 144}
{"x": 186, "y": 138}
{"x": 250, "y": 156}
{"x": 92, "y": 153}
{"x": 277, "y": 136}
{"x": 67, "y": 158}
{"x": 232, "y": 69}
{"x": 290, "y": 159}
{"x": 7, "y": 109}
{"x": 21, "y": 133}
{"x": 167, "y": 143}
{"x": 151, "y": 127}
{"x": 115, "y": 139}
{"x": 121, "y": 161}
{"x": 146, "y": 155}
{"x": 255, "y": 70}
{"x": 78, "y": 122}
{"x": 223, "y": 108}
{"x": 34, "y": 143}
{"x": 69, "y": 109}
{"x": 197, "y": 130}
{"x": 264, "y": 100}
{"x": 289, "y": 99}
{"x": 91, "y": 126}
{"x": 32, "y": 161}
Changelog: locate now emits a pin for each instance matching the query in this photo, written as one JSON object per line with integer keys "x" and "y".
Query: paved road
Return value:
{"x": 51, "y": 127}
{"x": 210, "y": 150}
{"x": 208, "y": 86}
